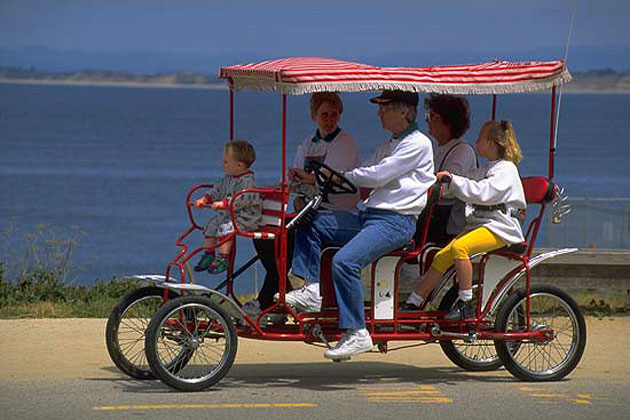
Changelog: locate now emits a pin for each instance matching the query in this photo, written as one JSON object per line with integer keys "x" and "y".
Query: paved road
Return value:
{"x": 365, "y": 390}
{"x": 59, "y": 369}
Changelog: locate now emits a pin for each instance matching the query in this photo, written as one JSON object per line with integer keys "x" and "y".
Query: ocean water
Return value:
{"x": 116, "y": 163}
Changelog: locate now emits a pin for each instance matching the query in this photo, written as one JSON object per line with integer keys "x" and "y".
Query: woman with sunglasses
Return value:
{"x": 448, "y": 118}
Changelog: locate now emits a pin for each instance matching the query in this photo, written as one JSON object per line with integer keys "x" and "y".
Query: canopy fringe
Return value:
{"x": 243, "y": 82}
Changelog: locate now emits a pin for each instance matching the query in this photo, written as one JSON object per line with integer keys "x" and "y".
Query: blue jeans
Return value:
{"x": 365, "y": 236}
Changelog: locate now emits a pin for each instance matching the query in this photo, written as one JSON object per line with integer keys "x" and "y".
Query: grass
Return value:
{"x": 40, "y": 290}
{"x": 42, "y": 295}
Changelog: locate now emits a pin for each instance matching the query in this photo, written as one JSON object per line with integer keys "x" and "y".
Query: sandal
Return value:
{"x": 219, "y": 265}
{"x": 207, "y": 259}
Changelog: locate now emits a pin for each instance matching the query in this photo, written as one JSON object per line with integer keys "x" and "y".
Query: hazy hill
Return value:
{"x": 596, "y": 81}
{"x": 599, "y": 81}
{"x": 155, "y": 62}
{"x": 105, "y": 77}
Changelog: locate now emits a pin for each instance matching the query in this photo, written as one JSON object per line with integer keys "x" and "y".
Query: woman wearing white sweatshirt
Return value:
{"x": 494, "y": 200}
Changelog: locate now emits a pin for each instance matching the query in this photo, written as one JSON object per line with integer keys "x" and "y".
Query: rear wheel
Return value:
{"x": 126, "y": 326}
{"x": 191, "y": 343}
{"x": 478, "y": 356}
{"x": 550, "y": 309}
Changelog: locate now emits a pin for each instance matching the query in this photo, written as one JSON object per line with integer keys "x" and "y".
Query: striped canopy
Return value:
{"x": 301, "y": 75}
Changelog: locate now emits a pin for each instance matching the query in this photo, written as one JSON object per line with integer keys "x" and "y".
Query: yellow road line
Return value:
{"x": 403, "y": 393}
{"x": 393, "y": 388}
{"x": 443, "y": 400}
{"x": 550, "y": 395}
{"x": 399, "y": 394}
{"x": 578, "y": 401}
{"x": 180, "y": 406}
{"x": 584, "y": 399}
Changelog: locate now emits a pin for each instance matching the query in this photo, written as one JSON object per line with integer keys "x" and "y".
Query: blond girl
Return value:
{"x": 494, "y": 200}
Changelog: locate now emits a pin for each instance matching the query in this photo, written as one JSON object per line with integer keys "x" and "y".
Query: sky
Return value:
{"x": 316, "y": 28}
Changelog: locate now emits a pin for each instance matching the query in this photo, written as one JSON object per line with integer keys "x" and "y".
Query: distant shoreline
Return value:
{"x": 213, "y": 86}
{"x": 568, "y": 88}
{"x": 603, "y": 81}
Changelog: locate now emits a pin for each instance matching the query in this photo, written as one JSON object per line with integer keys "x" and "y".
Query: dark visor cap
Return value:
{"x": 409, "y": 98}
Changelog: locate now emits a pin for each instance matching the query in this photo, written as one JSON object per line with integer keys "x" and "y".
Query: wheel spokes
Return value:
{"x": 132, "y": 328}
{"x": 185, "y": 347}
{"x": 546, "y": 312}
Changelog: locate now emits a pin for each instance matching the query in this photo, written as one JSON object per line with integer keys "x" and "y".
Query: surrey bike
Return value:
{"x": 535, "y": 330}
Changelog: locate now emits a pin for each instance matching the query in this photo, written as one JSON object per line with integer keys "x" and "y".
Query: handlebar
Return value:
{"x": 269, "y": 194}
{"x": 189, "y": 207}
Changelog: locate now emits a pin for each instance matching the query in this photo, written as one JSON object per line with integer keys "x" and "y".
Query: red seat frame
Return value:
{"x": 538, "y": 190}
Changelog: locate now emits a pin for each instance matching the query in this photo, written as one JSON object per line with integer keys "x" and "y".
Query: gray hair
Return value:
{"x": 412, "y": 110}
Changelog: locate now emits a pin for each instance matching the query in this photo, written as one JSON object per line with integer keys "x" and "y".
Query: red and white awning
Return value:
{"x": 298, "y": 76}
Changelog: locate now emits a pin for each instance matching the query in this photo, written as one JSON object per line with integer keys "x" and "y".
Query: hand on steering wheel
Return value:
{"x": 331, "y": 181}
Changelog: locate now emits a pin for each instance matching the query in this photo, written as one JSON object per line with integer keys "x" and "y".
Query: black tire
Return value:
{"x": 191, "y": 343}
{"x": 550, "y": 308}
{"x": 126, "y": 327}
{"x": 479, "y": 356}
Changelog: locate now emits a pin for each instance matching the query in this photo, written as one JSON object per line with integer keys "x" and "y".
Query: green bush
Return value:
{"x": 31, "y": 293}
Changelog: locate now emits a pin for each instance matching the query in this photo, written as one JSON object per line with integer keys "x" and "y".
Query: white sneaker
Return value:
{"x": 305, "y": 299}
{"x": 296, "y": 283}
{"x": 350, "y": 344}
{"x": 252, "y": 308}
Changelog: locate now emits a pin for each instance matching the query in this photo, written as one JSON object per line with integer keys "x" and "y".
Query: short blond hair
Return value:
{"x": 318, "y": 98}
{"x": 503, "y": 134}
{"x": 241, "y": 151}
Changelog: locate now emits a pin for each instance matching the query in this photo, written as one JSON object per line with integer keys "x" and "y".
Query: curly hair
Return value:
{"x": 453, "y": 110}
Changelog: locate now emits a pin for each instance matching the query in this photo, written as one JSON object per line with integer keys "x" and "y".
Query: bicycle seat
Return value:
{"x": 519, "y": 248}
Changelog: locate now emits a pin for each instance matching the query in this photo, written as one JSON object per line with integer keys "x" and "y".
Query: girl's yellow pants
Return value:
{"x": 465, "y": 244}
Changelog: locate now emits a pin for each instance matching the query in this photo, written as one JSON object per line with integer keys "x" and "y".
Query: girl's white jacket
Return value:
{"x": 497, "y": 182}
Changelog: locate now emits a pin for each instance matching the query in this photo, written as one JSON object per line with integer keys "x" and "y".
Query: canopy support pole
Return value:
{"x": 552, "y": 129}
{"x": 231, "y": 115}
{"x": 282, "y": 260}
{"x": 494, "y": 106}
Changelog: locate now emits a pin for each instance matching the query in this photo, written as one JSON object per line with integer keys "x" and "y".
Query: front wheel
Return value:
{"x": 126, "y": 326}
{"x": 550, "y": 309}
{"x": 191, "y": 343}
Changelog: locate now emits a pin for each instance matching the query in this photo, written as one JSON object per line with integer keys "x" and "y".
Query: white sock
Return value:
{"x": 363, "y": 332}
{"x": 465, "y": 295}
{"x": 416, "y": 299}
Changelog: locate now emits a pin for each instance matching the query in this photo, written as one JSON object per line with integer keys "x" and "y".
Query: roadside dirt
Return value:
{"x": 54, "y": 349}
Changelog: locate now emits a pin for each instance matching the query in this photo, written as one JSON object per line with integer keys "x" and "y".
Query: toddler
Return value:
{"x": 238, "y": 156}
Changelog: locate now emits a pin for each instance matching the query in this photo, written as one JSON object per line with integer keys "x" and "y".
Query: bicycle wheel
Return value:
{"x": 126, "y": 326}
{"x": 479, "y": 356}
{"x": 191, "y": 343}
{"x": 550, "y": 309}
